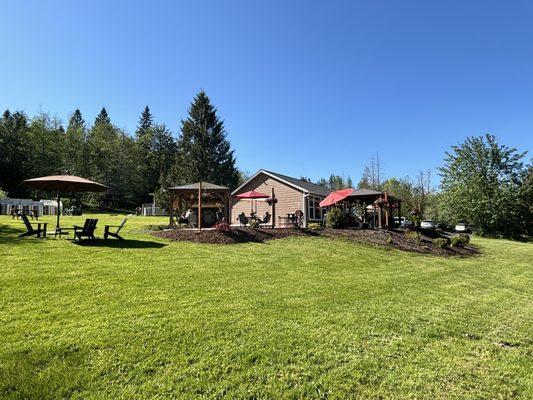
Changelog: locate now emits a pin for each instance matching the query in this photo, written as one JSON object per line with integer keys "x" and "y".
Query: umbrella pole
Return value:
{"x": 58, "y": 211}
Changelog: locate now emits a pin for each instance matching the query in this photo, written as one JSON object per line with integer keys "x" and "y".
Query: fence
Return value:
{"x": 42, "y": 207}
{"x": 149, "y": 209}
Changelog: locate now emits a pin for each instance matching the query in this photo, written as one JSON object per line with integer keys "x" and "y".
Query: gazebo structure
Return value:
{"x": 199, "y": 195}
{"x": 381, "y": 204}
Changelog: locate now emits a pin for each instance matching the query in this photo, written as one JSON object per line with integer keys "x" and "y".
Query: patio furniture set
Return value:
{"x": 246, "y": 219}
{"x": 79, "y": 232}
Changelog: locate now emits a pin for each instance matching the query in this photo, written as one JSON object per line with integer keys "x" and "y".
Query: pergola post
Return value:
{"x": 399, "y": 214}
{"x": 273, "y": 209}
{"x": 227, "y": 208}
{"x": 171, "y": 223}
{"x": 200, "y": 206}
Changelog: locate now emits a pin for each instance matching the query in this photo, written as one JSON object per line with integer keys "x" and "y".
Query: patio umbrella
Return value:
{"x": 64, "y": 183}
{"x": 252, "y": 195}
{"x": 335, "y": 197}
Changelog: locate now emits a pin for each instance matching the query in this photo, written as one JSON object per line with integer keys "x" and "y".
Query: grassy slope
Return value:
{"x": 304, "y": 317}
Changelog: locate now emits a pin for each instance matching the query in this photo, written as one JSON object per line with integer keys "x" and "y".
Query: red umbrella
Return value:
{"x": 252, "y": 195}
{"x": 335, "y": 197}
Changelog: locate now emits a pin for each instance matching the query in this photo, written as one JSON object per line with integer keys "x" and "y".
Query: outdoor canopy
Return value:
{"x": 64, "y": 183}
{"x": 335, "y": 197}
{"x": 252, "y": 195}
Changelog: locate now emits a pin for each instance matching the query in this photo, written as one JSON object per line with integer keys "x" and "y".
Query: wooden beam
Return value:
{"x": 171, "y": 223}
{"x": 273, "y": 209}
{"x": 200, "y": 206}
{"x": 227, "y": 208}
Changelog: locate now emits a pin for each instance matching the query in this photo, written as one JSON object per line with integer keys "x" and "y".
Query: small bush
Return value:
{"x": 313, "y": 226}
{"x": 441, "y": 242}
{"x": 389, "y": 238}
{"x": 222, "y": 227}
{"x": 414, "y": 236}
{"x": 335, "y": 218}
{"x": 254, "y": 224}
{"x": 460, "y": 240}
{"x": 465, "y": 237}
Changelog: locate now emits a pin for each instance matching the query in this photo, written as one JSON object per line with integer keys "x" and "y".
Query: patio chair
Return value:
{"x": 243, "y": 219}
{"x": 30, "y": 230}
{"x": 266, "y": 219}
{"x": 193, "y": 221}
{"x": 87, "y": 230}
{"x": 115, "y": 234}
{"x": 299, "y": 218}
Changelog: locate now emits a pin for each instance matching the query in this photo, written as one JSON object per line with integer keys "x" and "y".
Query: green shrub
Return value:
{"x": 465, "y": 237}
{"x": 314, "y": 226}
{"x": 254, "y": 224}
{"x": 458, "y": 241}
{"x": 389, "y": 238}
{"x": 414, "y": 236}
{"x": 441, "y": 242}
{"x": 335, "y": 218}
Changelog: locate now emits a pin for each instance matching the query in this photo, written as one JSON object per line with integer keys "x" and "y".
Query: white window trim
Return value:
{"x": 316, "y": 199}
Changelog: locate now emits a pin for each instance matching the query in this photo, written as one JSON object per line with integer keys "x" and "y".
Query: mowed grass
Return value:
{"x": 291, "y": 318}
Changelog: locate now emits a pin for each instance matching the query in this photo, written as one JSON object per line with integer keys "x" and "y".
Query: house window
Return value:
{"x": 313, "y": 208}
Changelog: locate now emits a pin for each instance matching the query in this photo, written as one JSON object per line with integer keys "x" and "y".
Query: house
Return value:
{"x": 292, "y": 195}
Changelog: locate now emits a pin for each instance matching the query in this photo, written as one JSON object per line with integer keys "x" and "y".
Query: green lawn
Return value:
{"x": 292, "y": 318}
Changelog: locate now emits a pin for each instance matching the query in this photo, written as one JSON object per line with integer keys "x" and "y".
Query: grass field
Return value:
{"x": 292, "y": 318}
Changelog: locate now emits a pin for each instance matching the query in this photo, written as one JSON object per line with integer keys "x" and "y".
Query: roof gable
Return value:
{"x": 299, "y": 184}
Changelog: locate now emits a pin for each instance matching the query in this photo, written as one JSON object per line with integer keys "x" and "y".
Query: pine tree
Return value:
{"x": 75, "y": 155}
{"x": 145, "y": 123}
{"x": 204, "y": 152}
{"x": 15, "y": 152}
{"x": 102, "y": 118}
{"x": 76, "y": 121}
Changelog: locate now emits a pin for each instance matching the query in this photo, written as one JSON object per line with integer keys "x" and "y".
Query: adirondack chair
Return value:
{"x": 87, "y": 230}
{"x": 243, "y": 219}
{"x": 30, "y": 230}
{"x": 115, "y": 234}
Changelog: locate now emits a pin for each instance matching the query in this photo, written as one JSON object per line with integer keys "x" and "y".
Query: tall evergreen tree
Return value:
{"x": 76, "y": 121}
{"x": 204, "y": 152}
{"x": 15, "y": 152}
{"x": 145, "y": 123}
{"x": 102, "y": 118}
{"x": 76, "y": 153}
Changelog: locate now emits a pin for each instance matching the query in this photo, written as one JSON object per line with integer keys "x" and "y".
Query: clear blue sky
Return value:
{"x": 305, "y": 87}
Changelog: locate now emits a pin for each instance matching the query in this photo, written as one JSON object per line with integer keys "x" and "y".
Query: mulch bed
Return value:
{"x": 389, "y": 238}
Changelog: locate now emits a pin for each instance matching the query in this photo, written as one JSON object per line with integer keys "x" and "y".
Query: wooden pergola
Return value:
{"x": 194, "y": 193}
{"x": 382, "y": 204}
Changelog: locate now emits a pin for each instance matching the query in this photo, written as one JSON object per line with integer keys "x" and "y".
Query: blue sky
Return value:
{"x": 305, "y": 87}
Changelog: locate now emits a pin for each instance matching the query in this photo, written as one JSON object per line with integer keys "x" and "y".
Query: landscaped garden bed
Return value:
{"x": 422, "y": 243}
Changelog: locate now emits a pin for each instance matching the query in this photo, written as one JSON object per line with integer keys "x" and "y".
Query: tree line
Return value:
{"x": 133, "y": 166}
{"x": 483, "y": 182}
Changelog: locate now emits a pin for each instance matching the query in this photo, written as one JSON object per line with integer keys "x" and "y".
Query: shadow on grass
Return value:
{"x": 10, "y": 235}
{"x": 44, "y": 373}
{"x": 120, "y": 244}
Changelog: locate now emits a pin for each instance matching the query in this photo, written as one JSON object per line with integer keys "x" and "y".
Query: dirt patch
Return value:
{"x": 396, "y": 239}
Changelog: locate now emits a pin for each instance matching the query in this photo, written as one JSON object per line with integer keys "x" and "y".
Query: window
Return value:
{"x": 314, "y": 211}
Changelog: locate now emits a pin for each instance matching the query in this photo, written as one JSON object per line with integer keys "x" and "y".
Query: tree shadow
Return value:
{"x": 120, "y": 244}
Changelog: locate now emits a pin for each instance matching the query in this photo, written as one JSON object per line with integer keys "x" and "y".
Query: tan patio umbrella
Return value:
{"x": 66, "y": 184}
